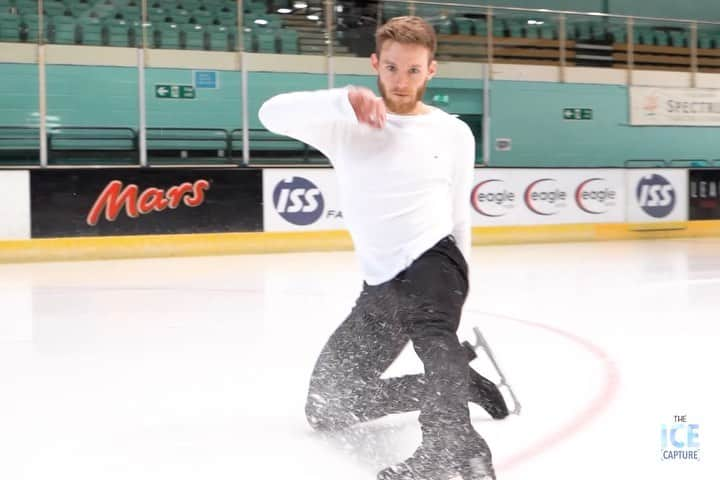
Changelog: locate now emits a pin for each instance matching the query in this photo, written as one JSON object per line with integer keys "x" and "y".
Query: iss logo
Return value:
{"x": 595, "y": 196}
{"x": 680, "y": 440}
{"x": 298, "y": 200}
{"x": 655, "y": 195}
{"x": 492, "y": 199}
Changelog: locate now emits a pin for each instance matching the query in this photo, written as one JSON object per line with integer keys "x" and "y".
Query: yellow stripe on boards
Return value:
{"x": 146, "y": 246}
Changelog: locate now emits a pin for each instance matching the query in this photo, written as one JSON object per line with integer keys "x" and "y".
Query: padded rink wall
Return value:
{"x": 56, "y": 215}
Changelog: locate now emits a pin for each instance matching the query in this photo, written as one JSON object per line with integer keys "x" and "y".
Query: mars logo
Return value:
{"x": 298, "y": 200}
{"x": 543, "y": 197}
{"x": 595, "y": 196}
{"x": 655, "y": 195}
{"x": 492, "y": 199}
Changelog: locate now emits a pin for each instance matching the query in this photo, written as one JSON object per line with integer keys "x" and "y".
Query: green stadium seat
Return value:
{"x": 480, "y": 27}
{"x": 498, "y": 27}
{"x": 131, "y": 12}
{"x": 266, "y": 40}
{"x": 159, "y": 15}
{"x": 219, "y": 38}
{"x": 516, "y": 28}
{"x": 704, "y": 41}
{"x": 202, "y": 17}
{"x": 80, "y": 9}
{"x": 190, "y": 5}
{"x": 249, "y": 41}
{"x": 583, "y": 31}
{"x": 618, "y": 33}
{"x": 168, "y": 36}
{"x": 9, "y": 27}
{"x": 91, "y": 32}
{"x": 104, "y": 10}
{"x": 547, "y": 32}
{"x": 29, "y": 28}
{"x": 194, "y": 37}
{"x": 118, "y": 33}
{"x": 391, "y": 10}
{"x": 180, "y": 15}
{"x": 258, "y": 7}
{"x": 464, "y": 25}
{"x": 443, "y": 27}
{"x": 678, "y": 38}
{"x": 662, "y": 38}
{"x": 644, "y": 36}
{"x": 289, "y": 41}
{"x": 26, "y": 7}
{"x": 227, "y": 20}
{"x": 532, "y": 31}
{"x": 64, "y": 30}
{"x": 53, "y": 9}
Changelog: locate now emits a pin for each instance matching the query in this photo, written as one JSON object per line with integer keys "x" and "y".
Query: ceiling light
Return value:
{"x": 313, "y": 17}
{"x": 284, "y": 10}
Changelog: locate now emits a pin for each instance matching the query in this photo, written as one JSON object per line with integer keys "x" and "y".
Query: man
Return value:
{"x": 404, "y": 170}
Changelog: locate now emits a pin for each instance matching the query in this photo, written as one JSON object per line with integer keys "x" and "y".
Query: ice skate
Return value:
{"x": 446, "y": 456}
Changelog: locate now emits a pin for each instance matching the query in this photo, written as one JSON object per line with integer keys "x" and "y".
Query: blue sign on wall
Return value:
{"x": 205, "y": 79}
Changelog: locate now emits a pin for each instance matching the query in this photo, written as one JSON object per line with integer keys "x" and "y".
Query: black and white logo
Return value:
{"x": 656, "y": 195}
{"x": 298, "y": 200}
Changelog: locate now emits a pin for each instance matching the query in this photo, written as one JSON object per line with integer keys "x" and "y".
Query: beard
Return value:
{"x": 405, "y": 105}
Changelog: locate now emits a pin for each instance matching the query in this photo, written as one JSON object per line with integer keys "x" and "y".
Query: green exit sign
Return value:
{"x": 577, "y": 114}
{"x": 184, "y": 92}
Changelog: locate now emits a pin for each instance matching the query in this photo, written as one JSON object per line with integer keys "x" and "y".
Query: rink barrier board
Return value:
{"x": 124, "y": 202}
{"x": 148, "y": 246}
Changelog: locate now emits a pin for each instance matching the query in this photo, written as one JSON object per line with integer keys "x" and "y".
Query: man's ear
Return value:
{"x": 432, "y": 69}
{"x": 375, "y": 61}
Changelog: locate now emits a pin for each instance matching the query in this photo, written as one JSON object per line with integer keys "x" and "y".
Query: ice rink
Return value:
{"x": 197, "y": 368}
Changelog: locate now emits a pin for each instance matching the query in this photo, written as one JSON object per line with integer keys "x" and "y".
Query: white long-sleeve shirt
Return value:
{"x": 402, "y": 188}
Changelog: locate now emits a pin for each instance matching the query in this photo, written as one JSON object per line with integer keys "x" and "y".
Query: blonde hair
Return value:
{"x": 407, "y": 30}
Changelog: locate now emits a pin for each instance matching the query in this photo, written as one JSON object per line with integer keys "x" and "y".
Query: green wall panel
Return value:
{"x": 19, "y": 98}
{"x": 531, "y": 114}
{"x": 212, "y": 108}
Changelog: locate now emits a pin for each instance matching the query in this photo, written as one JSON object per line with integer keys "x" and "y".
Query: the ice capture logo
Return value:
{"x": 656, "y": 195}
{"x": 680, "y": 440}
{"x": 298, "y": 200}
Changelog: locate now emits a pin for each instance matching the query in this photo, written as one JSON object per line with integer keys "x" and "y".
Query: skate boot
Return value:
{"x": 486, "y": 394}
{"x": 451, "y": 455}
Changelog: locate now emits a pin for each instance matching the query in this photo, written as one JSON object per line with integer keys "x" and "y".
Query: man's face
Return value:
{"x": 403, "y": 72}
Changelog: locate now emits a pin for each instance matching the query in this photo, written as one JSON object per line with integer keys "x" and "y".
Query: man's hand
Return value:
{"x": 369, "y": 109}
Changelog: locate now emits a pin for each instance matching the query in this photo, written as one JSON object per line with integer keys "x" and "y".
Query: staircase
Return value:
{"x": 312, "y": 37}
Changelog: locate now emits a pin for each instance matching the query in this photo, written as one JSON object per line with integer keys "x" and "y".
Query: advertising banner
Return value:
{"x": 301, "y": 199}
{"x": 657, "y": 196}
{"x": 553, "y": 196}
{"x": 704, "y": 190}
{"x": 134, "y": 202}
{"x": 14, "y": 205}
{"x": 674, "y": 106}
